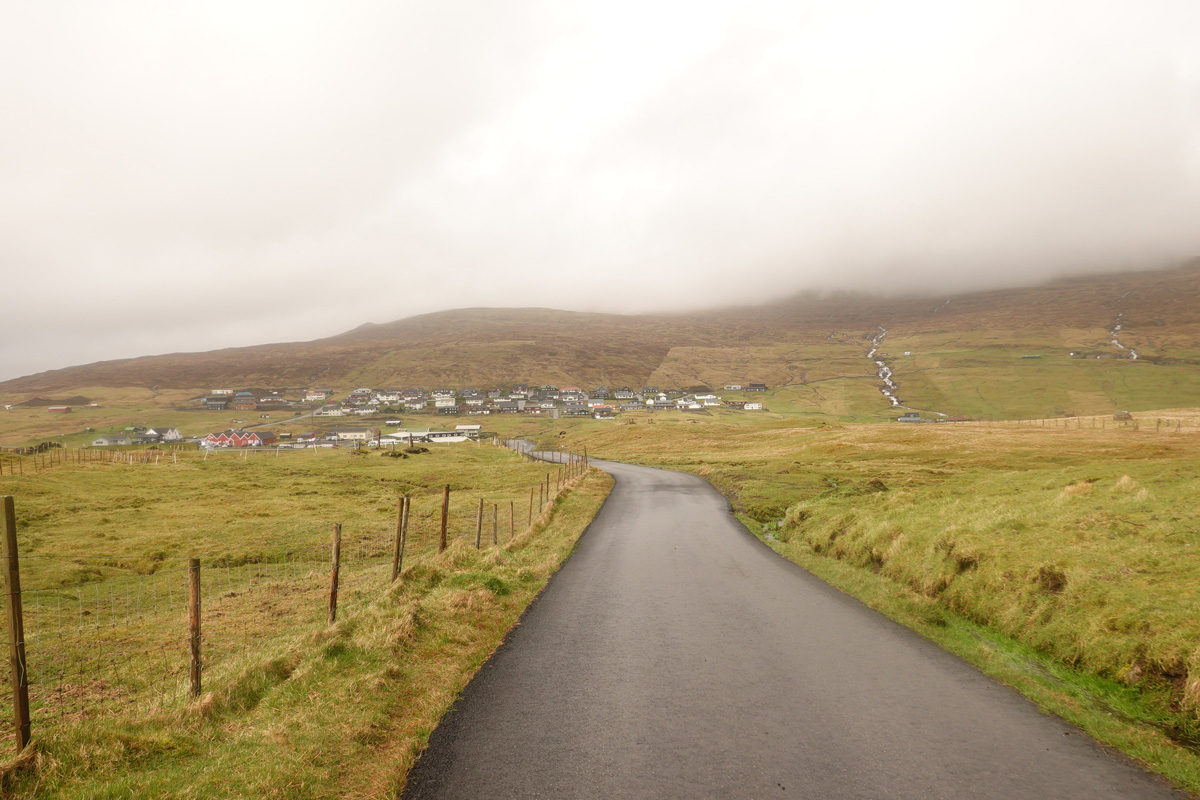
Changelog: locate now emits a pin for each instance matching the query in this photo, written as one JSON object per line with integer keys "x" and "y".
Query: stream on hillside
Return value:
{"x": 884, "y": 371}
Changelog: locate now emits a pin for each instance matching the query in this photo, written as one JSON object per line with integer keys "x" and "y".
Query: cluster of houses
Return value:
{"x": 518, "y": 399}
{"x": 554, "y": 401}
{"x": 568, "y": 401}
{"x": 337, "y": 436}
{"x": 139, "y": 434}
{"x": 234, "y": 437}
{"x": 246, "y": 400}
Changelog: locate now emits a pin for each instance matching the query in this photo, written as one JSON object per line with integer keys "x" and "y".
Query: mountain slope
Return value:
{"x": 958, "y": 347}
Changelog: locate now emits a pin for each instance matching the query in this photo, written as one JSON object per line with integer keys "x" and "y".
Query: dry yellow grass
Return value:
{"x": 292, "y": 707}
{"x": 1078, "y": 543}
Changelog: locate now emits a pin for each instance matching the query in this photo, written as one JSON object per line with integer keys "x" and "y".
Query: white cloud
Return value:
{"x": 289, "y": 170}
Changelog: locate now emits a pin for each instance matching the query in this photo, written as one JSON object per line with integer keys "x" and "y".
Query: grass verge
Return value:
{"x": 1059, "y": 560}
{"x": 322, "y": 710}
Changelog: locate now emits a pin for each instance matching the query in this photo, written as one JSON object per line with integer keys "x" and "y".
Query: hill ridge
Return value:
{"x": 795, "y": 340}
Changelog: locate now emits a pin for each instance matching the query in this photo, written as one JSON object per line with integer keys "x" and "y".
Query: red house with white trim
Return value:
{"x": 238, "y": 438}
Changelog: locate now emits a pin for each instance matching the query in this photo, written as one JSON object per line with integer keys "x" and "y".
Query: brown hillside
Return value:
{"x": 793, "y": 341}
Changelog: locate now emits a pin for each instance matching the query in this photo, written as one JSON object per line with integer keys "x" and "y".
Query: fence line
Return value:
{"x": 115, "y": 646}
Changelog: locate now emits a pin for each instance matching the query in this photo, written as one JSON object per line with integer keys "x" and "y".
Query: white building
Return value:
{"x": 354, "y": 434}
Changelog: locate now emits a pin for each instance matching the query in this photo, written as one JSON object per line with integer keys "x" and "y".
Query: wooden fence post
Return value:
{"x": 541, "y": 497}
{"x": 403, "y": 533}
{"x": 401, "y": 515}
{"x": 495, "y": 524}
{"x": 445, "y": 512}
{"x": 16, "y": 625}
{"x": 479, "y": 524}
{"x": 512, "y": 519}
{"x": 335, "y": 565}
{"x": 530, "y": 506}
{"x": 194, "y": 622}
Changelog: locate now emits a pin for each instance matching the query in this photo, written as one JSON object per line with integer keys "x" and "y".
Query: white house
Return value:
{"x": 733, "y": 387}
{"x": 354, "y": 434}
{"x": 753, "y": 407}
{"x": 166, "y": 434}
{"x": 407, "y": 435}
{"x": 117, "y": 440}
{"x": 448, "y": 436}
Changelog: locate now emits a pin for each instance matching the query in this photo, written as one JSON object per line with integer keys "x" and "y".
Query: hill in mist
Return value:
{"x": 801, "y": 341}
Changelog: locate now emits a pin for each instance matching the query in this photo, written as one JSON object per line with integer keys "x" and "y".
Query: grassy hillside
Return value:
{"x": 963, "y": 352}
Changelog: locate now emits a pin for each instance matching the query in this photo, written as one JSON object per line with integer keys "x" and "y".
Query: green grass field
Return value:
{"x": 292, "y": 706}
{"x": 1061, "y": 560}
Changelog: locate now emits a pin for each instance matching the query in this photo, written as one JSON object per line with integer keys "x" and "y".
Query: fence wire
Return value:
{"x": 122, "y": 646}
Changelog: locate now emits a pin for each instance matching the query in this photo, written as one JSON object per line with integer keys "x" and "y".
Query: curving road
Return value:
{"x": 675, "y": 656}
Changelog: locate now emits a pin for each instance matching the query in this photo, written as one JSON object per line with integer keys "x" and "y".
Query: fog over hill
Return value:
{"x": 189, "y": 176}
{"x": 1159, "y": 313}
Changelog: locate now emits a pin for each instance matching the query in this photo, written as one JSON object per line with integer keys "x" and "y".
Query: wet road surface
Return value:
{"x": 675, "y": 656}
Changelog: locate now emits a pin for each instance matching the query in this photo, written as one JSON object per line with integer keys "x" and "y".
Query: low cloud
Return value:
{"x": 190, "y": 178}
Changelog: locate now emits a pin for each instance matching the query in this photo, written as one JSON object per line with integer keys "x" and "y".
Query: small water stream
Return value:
{"x": 883, "y": 370}
{"x": 1114, "y": 336}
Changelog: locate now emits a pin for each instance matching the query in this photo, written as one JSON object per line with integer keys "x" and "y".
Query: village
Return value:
{"x": 554, "y": 402}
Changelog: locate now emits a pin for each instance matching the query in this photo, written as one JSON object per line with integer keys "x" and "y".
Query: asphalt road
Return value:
{"x": 675, "y": 656}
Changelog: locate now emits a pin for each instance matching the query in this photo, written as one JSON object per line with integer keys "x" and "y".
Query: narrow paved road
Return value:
{"x": 675, "y": 656}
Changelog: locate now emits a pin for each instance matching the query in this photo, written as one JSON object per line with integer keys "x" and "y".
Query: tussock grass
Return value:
{"x": 1062, "y": 560}
{"x": 305, "y": 709}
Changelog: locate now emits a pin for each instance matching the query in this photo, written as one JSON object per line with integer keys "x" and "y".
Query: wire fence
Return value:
{"x": 1135, "y": 422}
{"x": 123, "y": 646}
{"x": 34, "y": 460}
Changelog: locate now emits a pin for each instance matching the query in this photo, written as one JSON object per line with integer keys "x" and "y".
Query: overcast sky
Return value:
{"x": 187, "y": 176}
